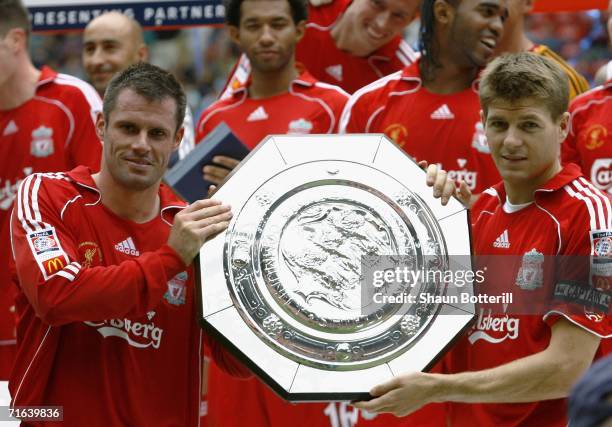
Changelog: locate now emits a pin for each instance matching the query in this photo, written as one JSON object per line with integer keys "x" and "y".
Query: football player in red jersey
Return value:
{"x": 514, "y": 368}
{"x": 431, "y": 108}
{"x": 106, "y": 305}
{"x": 589, "y": 143}
{"x": 350, "y": 43}
{"x": 278, "y": 97}
{"x": 515, "y": 40}
{"x": 46, "y": 125}
{"x": 353, "y": 43}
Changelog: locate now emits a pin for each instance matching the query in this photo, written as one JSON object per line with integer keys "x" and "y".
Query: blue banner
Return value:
{"x": 55, "y": 16}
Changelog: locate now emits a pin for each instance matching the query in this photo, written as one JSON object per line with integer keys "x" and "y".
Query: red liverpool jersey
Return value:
{"x": 442, "y": 129}
{"x": 54, "y": 131}
{"x": 308, "y": 106}
{"x": 106, "y": 310}
{"x": 318, "y": 52}
{"x": 589, "y": 143}
{"x": 571, "y": 216}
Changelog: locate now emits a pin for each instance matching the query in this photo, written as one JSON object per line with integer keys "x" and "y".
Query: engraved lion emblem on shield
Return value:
{"x": 322, "y": 246}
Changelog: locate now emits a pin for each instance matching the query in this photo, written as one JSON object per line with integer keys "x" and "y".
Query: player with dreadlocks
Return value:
{"x": 431, "y": 107}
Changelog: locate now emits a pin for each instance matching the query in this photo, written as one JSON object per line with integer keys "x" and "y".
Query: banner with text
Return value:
{"x": 62, "y": 15}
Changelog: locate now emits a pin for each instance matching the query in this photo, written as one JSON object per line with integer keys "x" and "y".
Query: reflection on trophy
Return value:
{"x": 285, "y": 287}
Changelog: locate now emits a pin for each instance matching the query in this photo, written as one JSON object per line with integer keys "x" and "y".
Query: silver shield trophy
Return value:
{"x": 284, "y": 285}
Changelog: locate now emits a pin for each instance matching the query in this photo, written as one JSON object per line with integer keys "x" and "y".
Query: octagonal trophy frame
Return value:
{"x": 279, "y": 288}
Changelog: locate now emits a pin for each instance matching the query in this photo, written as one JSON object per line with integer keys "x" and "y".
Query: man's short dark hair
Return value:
{"x": 150, "y": 82}
{"x": 299, "y": 11}
{"x": 13, "y": 14}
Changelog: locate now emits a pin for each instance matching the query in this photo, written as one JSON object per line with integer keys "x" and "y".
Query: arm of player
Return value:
{"x": 61, "y": 290}
{"x": 548, "y": 374}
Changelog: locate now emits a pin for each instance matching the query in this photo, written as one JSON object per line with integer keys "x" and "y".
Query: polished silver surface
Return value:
{"x": 283, "y": 284}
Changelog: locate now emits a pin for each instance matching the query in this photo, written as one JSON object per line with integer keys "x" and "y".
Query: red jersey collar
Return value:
{"x": 568, "y": 173}
{"x": 46, "y": 75}
{"x": 386, "y": 51}
{"x": 304, "y": 79}
{"x": 412, "y": 73}
{"x": 81, "y": 175}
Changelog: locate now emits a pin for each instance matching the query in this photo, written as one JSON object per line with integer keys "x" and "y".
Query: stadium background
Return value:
{"x": 202, "y": 57}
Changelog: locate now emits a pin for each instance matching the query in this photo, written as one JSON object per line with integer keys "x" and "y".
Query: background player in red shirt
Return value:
{"x": 106, "y": 301}
{"x": 515, "y": 40}
{"x": 589, "y": 143}
{"x": 518, "y": 369}
{"x": 431, "y": 108}
{"x": 350, "y": 43}
{"x": 353, "y": 43}
{"x": 46, "y": 124}
{"x": 112, "y": 42}
{"x": 278, "y": 97}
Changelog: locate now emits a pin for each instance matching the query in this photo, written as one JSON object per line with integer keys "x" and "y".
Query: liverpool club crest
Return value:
{"x": 42, "y": 142}
{"x": 531, "y": 273}
{"x": 176, "y": 293}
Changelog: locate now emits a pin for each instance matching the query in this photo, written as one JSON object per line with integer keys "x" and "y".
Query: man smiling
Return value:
{"x": 106, "y": 291}
{"x": 431, "y": 108}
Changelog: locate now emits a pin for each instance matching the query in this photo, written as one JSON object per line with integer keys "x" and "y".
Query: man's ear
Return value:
{"x": 528, "y": 6}
{"x": 564, "y": 126}
{"x": 178, "y": 138}
{"x": 443, "y": 12}
{"x": 143, "y": 53}
{"x": 300, "y": 29}
{"x": 17, "y": 40}
{"x": 100, "y": 124}
{"x": 234, "y": 33}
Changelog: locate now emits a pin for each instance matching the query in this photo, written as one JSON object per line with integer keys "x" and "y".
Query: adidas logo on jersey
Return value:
{"x": 443, "y": 113}
{"x": 258, "y": 114}
{"x": 335, "y": 71}
{"x": 127, "y": 247}
{"x": 502, "y": 241}
{"x": 10, "y": 128}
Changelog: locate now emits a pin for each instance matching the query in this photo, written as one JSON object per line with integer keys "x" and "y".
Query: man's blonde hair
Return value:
{"x": 517, "y": 76}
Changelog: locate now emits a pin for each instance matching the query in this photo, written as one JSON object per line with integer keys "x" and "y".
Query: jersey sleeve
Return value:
{"x": 584, "y": 266}
{"x": 84, "y": 146}
{"x": 57, "y": 286}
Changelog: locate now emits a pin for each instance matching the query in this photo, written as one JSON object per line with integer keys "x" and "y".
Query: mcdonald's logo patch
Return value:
{"x": 54, "y": 265}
